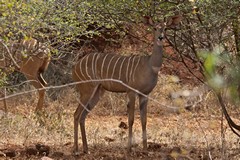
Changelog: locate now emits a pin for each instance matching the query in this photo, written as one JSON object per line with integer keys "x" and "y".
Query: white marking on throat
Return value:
{"x": 156, "y": 69}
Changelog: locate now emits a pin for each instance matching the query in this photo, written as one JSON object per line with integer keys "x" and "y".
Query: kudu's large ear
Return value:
{"x": 173, "y": 21}
{"x": 148, "y": 20}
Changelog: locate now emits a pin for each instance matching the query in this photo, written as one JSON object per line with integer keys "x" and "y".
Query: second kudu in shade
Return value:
{"x": 138, "y": 72}
{"x": 29, "y": 57}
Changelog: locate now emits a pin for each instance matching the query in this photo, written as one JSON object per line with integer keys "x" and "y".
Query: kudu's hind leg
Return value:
{"x": 76, "y": 122}
{"x": 32, "y": 69}
{"x": 131, "y": 108}
{"x": 143, "y": 113}
{"x": 88, "y": 99}
{"x": 41, "y": 92}
{"x": 37, "y": 83}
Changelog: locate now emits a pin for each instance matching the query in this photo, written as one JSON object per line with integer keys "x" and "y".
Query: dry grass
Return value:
{"x": 195, "y": 134}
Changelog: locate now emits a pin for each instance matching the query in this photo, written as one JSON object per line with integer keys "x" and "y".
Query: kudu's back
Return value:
{"x": 24, "y": 56}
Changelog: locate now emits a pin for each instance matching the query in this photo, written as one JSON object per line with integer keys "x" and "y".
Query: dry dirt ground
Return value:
{"x": 195, "y": 134}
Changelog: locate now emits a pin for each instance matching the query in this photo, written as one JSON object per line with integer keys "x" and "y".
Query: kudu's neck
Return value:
{"x": 156, "y": 58}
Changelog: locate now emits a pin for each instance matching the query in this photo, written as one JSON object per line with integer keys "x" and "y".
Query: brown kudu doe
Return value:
{"x": 137, "y": 72}
{"x": 29, "y": 57}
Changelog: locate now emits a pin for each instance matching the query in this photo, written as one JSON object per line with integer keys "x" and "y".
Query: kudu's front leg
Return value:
{"x": 143, "y": 113}
{"x": 131, "y": 108}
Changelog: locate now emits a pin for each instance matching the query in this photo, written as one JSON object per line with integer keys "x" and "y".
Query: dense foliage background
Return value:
{"x": 208, "y": 38}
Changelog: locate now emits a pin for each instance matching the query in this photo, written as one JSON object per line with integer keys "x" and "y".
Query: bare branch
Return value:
{"x": 231, "y": 123}
{"x": 172, "y": 108}
{"x": 10, "y": 55}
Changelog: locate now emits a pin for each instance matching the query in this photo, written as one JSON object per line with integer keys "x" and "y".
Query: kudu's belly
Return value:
{"x": 116, "y": 86}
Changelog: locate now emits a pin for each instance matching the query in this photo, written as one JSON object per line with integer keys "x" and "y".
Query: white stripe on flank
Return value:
{"x": 80, "y": 67}
{"x": 115, "y": 67}
{"x": 96, "y": 73}
{"x": 29, "y": 44}
{"x": 120, "y": 71}
{"x": 133, "y": 76}
{"x": 34, "y": 44}
{"x": 93, "y": 71}
{"x": 109, "y": 64}
{"x": 131, "y": 71}
{"x": 103, "y": 66}
{"x": 86, "y": 67}
{"x": 46, "y": 51}
{"x": 127, "y": 77}
{"x": 77, "y": 73}
{"x": 23, "y": 42}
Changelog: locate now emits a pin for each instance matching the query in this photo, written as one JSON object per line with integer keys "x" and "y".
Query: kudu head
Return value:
{"x": 160, "y": 28}
{"x": 156, "y": 58}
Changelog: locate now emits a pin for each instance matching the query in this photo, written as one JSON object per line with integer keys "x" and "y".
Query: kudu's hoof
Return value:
{"x": 76, "y": 153}
{"x": 145, "y": 148}
{"x": 129, "y": 149}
